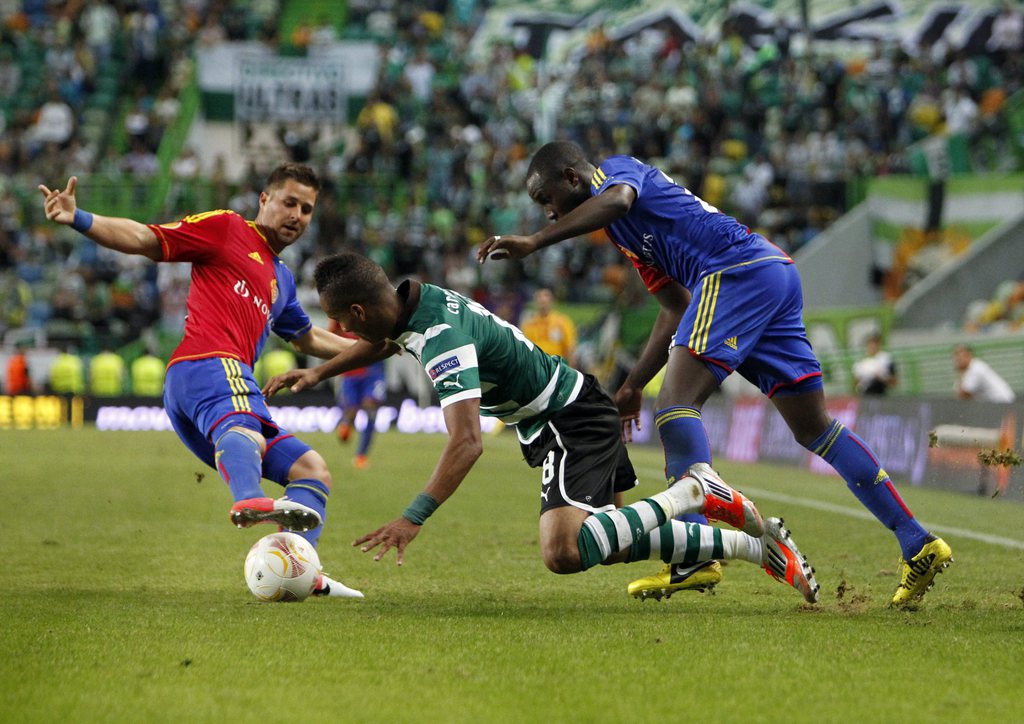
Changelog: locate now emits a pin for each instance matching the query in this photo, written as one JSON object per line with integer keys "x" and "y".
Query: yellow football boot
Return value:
{"x": 918, "y": 574}
{"x": 702, "y": 577}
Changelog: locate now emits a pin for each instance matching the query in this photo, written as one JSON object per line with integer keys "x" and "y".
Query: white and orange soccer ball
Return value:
{"x": 282, "y": 567}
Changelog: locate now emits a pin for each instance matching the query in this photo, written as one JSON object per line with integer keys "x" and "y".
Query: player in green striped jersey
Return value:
{"x": 567, "y": 425}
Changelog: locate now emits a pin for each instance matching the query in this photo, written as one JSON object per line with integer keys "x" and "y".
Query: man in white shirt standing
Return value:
{"x": 978, "y": 381}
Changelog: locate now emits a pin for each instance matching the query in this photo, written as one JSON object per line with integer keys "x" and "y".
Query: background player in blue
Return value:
{"x": 730, "y": 301}
{"x": 360, "y": 389}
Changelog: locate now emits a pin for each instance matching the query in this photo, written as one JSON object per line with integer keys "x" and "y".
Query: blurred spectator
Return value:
{"x": 460, "y": 273}
{"x": 419, "y": 73}
{"x": 144, "y": 24}
{"x": 141, "y": 165}
{"x": 324, "y": 33}
{"x": 301, "y": 37}
{"x": 549, "y": 329}
{"x": 17, "y": 380}
{"x": 1007, "y": 32}
{"x": 15, "y": 298}
{"x": 212, "y": 31}
{"x": 769, "y": 134}
{"x": 377, "y": 123}
{"x": 875, "y": 373}
{"x": 978, "y": 381}
{"x": 961, "y": 112}
{"x": 54, "y": 123}
{"x": 10, "y": 73}
{"x": 1004, "y": 310}
{"x": 98, "y": 24}
{"x": 184, "y": 172}
{"x": 137, "y": 121}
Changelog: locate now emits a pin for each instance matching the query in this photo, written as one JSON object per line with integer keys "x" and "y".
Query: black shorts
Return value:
{"x": 580, "y": 452}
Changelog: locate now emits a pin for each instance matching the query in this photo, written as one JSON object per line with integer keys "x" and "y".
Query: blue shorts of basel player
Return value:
{"x": 356, "y": 389}
{"x": 749, "y": 319}
{"x": 205, "y": 397}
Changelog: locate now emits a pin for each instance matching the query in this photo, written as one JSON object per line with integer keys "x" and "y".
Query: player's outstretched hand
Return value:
{"x": 396, "y": 534}
{"x": 506, "y": 247}
{"x": 60, "y": 205}
{"x": 629, "y": 400}
{"x": 295, "y": 380}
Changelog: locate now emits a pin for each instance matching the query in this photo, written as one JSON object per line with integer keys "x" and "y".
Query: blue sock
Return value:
{"x": 239, "y": 462}
{"x": 313, "y": 493}
{"x": 367, "y": 435}
{"x": 685, "y": 442}
{"x": 853, "y": 459}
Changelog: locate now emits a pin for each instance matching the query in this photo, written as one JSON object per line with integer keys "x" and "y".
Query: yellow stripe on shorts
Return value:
{"x": 705, "y": 312}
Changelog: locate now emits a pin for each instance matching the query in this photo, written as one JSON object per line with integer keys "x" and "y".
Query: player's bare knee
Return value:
{"x": 311, "y": 465}
{"x": 806, "y": 432}
{"x": 562, "y": 559}
{"x": 252, "y": 435}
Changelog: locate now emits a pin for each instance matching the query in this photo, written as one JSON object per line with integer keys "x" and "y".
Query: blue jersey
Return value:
{"x": 671, "y": 233}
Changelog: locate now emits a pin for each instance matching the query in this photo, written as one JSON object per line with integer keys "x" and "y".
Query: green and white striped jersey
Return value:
{"x": 468, "y": 352}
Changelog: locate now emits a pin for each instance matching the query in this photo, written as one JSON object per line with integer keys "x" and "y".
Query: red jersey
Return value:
{"x": 240, "y": 289}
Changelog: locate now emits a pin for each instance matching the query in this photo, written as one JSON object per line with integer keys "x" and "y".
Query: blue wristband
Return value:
{"x": 82, "y": 221}
{"x": 420, "y": 509}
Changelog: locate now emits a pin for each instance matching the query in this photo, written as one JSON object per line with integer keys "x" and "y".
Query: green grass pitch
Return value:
{"x": 123, "y": 600}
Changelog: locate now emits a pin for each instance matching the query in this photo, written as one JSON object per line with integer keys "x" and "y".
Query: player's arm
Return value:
{"x": 120, "y": 234}
{"x": 595, "y": 213}
{"x": 673, "y": 298}
{"x": 321, "y": 343}
{"x": 355, "y": 354}
{"x": 461, "y": 452}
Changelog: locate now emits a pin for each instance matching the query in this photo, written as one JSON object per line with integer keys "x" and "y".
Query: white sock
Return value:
{"x": 685, "y": 496}
{"x": 740, "y": 546}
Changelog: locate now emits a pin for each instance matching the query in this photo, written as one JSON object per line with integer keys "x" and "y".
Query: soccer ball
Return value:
{"x": 282, "y": 567}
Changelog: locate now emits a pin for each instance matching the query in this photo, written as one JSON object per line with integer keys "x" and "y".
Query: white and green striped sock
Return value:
{"x": 689, "y": 543}
{"x": 609, "y": 532}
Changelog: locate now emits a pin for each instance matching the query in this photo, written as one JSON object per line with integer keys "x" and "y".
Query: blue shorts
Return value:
{"x": 354, "y": 390}
{"x": 749, "y": 319}
{"x": 200, "y": 395}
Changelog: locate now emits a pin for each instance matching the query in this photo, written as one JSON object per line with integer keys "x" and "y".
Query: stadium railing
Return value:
{"x": 926, "y": 368}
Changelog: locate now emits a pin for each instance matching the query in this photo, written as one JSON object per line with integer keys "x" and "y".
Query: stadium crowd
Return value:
{"x": 435, "y": 160}
{"x": 90, "y": 88}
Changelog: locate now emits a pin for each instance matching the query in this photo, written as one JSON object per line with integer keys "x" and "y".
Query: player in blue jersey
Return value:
{"x": 359, "y": 389}
{"x": 567, "y": 425}
{"x": 730, "y": 301}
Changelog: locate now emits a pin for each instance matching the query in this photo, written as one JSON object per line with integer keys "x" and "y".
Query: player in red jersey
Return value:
{"x": 240, "y": 291}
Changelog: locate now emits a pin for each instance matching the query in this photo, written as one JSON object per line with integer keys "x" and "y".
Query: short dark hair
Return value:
{"x": 299, "y": 172}
{"x": 553, "y": 158}
{"x": 350, "y": 278}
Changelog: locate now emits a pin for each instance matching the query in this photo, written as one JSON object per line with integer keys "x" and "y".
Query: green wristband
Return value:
{"x": 420, "y": 509}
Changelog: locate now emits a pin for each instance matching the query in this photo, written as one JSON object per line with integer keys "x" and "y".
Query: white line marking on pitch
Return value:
{"x": 862, "y": 514}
